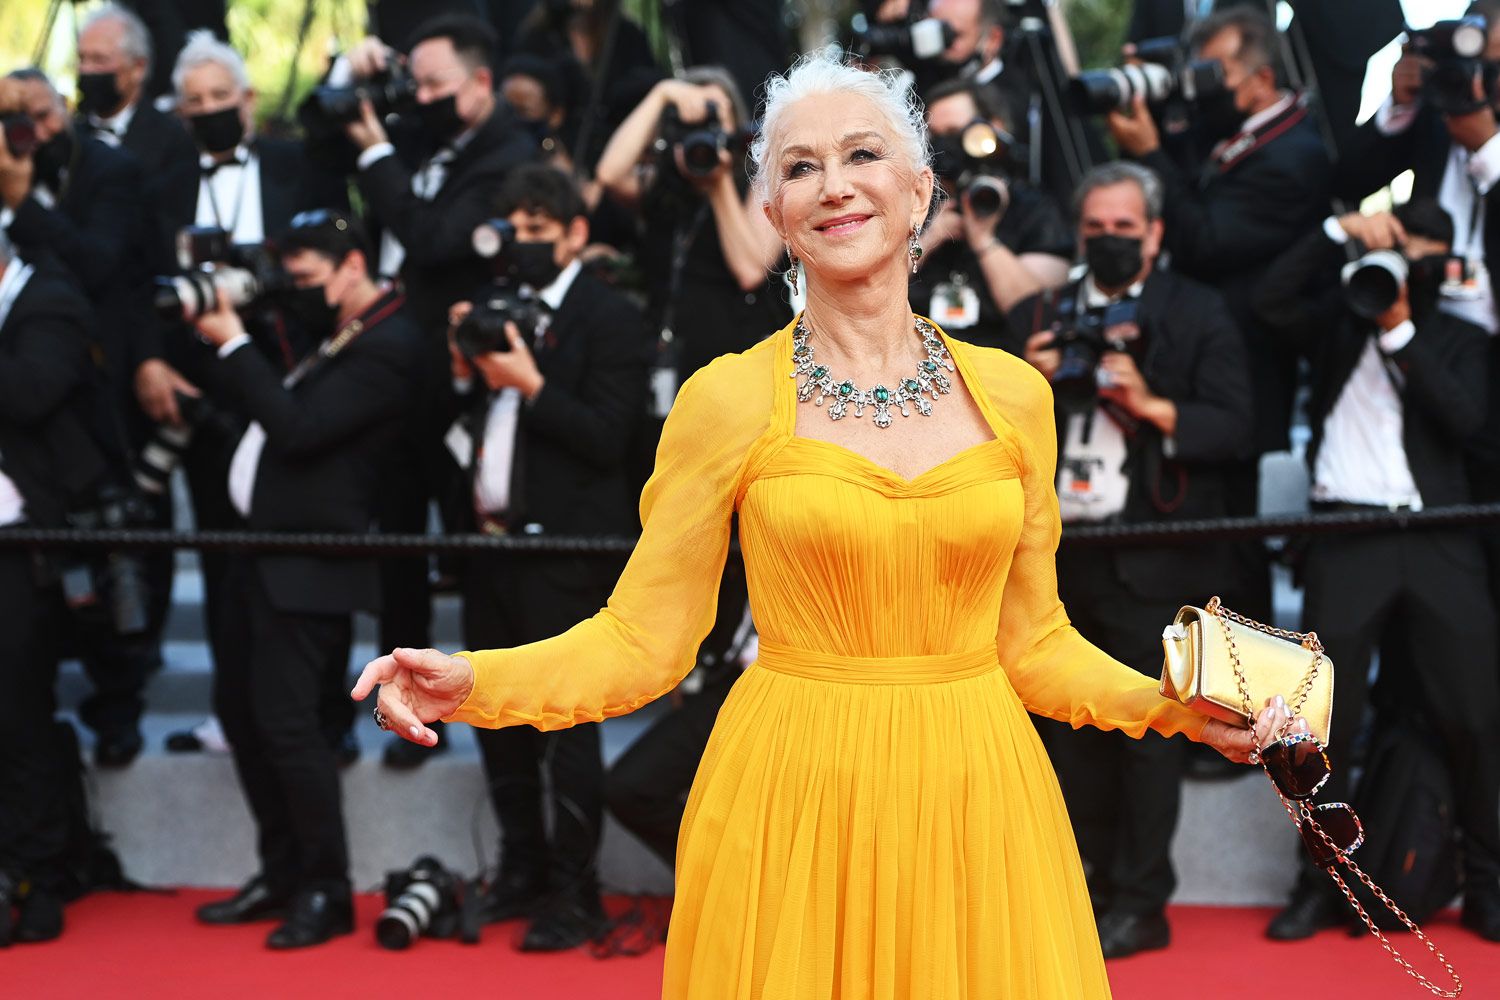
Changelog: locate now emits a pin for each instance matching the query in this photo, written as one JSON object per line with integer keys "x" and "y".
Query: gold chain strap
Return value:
{"x": 1390, "y": 904}
{"x": 1307, "y": 640}
{"x": 1301, "y": 813}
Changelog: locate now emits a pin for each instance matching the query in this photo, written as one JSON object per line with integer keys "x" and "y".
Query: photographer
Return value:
{"x": 114, "y": 63}
{"x": 75, "y": 202}
{"x": 707, "y": 246}
{"x": 427, "y": 192}
{"x": 48, "y": 465}
{"x": 996, "y": 239}
{"x": 310, "y": 461}
{"x": 1397, "y": 385}
{"x": 1154, "y": 405}
{"x": 549, "y": 415}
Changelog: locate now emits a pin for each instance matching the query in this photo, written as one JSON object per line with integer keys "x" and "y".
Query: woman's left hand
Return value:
{"x": 1237, "y": 744}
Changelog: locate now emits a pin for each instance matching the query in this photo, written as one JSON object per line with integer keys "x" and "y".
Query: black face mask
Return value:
{"x": 98, "y": 94}
{"x": 218, "y": 131}
{"x": 1217, "y": 116}
{"x": 309, "y": 311}
{"x": 52, "y": 157}
{"x": 440, "y": 118}
{"x": 1112, "y": 260}
{"x": 534, "y": 264}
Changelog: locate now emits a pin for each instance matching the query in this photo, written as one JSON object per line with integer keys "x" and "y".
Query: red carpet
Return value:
{"x": 149, "y": 947}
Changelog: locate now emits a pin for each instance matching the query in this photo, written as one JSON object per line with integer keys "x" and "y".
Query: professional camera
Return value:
{"x": 1373, "y": 283}
{"x": 20, "y": 134}
{"x": 976, "y": 161}
{"x": 245, "y": 272}
{"x": 1083, "y": 337}
{"x": 1166, "y": 70}
{"x": 426, "y": 900}
{"x": 163, "y": 451}
{"x": 700, "y": 142}
{"x": 392, "y": 92}
{"x": 501, "y": 302}
{"x": 911, "y": 41}
{"x": 1456, "y": 50}
{"x": 114, "y": 583}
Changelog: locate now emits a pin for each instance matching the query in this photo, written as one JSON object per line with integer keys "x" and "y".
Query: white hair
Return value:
{"x": 135, "y": 40}
{"x": 829, "y": 71}
{"x": 203, "y": 48}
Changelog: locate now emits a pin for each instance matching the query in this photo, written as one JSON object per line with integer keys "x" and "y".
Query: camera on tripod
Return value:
{"x": 1455, "y": 49}
{"x": 1166, "y": 70}
{"x": 976, "y": 161}
{"x": 427, "y": 900}
{"x": 502, "y": 301}
{"x": 245, "y": 272}
{"x": 1082, "y": 337}
{"x": 912, "y": 41}
{"x": 700, "y": 142}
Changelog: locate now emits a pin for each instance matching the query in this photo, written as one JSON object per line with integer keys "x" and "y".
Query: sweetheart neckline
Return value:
{"x": 892, "y": 473}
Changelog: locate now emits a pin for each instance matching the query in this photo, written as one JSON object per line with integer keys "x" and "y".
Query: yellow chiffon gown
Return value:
{"x": 874, "y": 816}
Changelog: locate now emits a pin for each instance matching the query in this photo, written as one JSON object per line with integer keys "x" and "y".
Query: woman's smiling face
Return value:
{"x": 842, "y": 192}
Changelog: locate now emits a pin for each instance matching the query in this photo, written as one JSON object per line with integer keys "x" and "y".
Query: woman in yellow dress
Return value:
{"x": 874, "y": 816}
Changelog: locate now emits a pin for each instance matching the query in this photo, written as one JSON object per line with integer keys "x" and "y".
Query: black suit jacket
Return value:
{"x": 45, "y": 448}
{"x": 1224, "y": 227}
{"x": 1195, "y": 357}
{"x": 1443, "y": 376}
{"x": 569, "y": 473}
{"x": 441, "y": 267}
{"x": 326, "y": 441}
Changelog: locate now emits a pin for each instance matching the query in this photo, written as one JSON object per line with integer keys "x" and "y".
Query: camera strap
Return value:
{"x": 333, "y": 346}
{"x": 1242, "y": 145}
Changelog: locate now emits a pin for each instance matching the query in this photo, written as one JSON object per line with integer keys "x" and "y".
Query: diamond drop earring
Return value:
{"x": 913, "y": 249}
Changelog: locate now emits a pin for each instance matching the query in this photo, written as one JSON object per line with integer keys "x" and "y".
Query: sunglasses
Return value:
{"x": 1298, "y": 766}
{"x": 318, "y": 217}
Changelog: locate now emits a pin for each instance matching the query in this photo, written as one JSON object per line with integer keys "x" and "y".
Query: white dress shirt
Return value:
{"x": 498, "y": 455}
{"x": 12, "y": 506}
{"x": 1467, "y": 178}
{"x": 112, "y": 130}
{"x": 229, "y": 196}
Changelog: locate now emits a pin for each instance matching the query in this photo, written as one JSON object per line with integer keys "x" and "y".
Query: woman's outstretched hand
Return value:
{"x": 1237, "y": 744}
{"x": 416, "y": 686}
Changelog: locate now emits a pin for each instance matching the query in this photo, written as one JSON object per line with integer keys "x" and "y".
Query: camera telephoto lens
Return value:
{"x": 408, "y": 916}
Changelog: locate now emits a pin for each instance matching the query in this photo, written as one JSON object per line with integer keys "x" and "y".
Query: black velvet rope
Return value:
{"x": 327, "y": 544}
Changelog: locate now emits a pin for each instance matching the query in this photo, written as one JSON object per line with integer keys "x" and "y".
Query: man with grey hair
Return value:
{"x": 1153, "y": 399}
{"x": 114, "y": 63}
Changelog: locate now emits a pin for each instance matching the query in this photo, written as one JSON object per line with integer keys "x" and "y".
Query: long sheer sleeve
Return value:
{"x": 646, "y": 638}
{"x": 1055, "y": 671}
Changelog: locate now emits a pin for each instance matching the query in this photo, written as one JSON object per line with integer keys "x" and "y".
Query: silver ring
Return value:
{"x": 381, "y": 720}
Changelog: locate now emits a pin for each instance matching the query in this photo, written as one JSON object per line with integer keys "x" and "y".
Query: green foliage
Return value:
{"x": 1098, "y": 30}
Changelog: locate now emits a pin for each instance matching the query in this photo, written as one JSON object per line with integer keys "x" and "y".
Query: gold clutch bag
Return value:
{"x": 1225, "y": 666}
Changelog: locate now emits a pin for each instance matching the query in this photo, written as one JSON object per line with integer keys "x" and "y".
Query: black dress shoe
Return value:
{"x": 1124, "y": 934}
{"x": 39, "y": 918}
{"x": 564, "y": 925}
{"x": 118, "y": 749}
{"x": 404, "y": 755}
{"x": 1481, "y": 914}
{"x": 513, "y": 895}
{"x": 257, "y": 900}
{"x": 1311, "y": 910}
{"x": 317, "y": 915}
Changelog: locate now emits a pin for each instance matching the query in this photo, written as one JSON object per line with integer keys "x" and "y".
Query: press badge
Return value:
{"x": 1464, "y": 279}
{"x": 955, "y": 304}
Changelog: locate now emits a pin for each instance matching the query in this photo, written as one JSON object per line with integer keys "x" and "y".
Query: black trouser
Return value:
{"x": 507, "y": 604}
{"x": 1434, "y": 584}
{"x": 33, "y": 802}
{"x": 648, "y": 786}
{"x": 206, "y": 466}
{"x": 268, "y": 692}
{"x": 1123, "y": 794}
